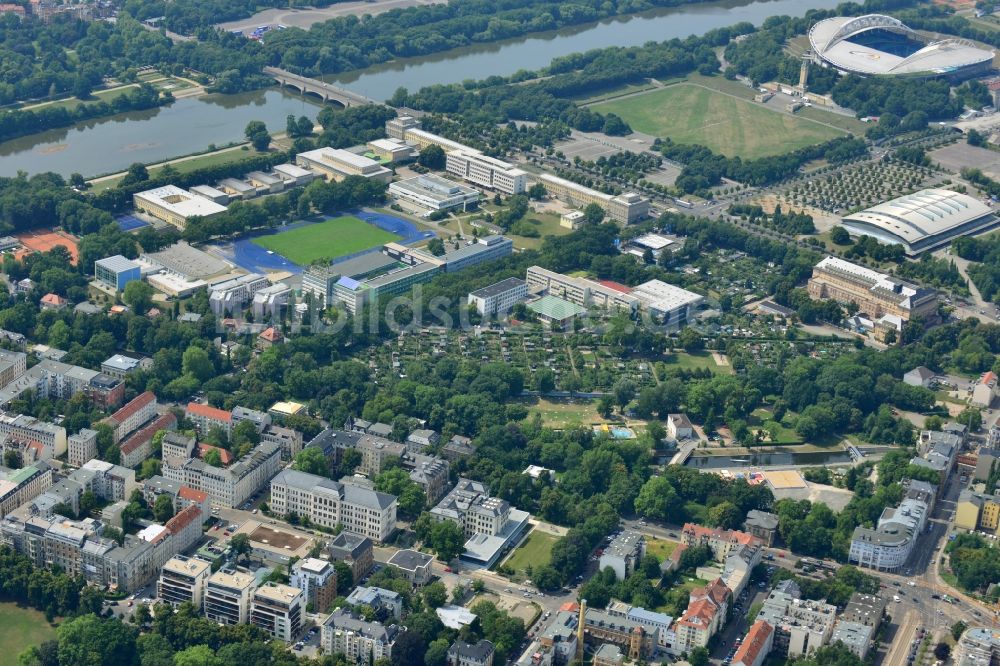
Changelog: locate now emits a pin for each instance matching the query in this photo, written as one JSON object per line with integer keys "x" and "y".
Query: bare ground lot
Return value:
{"x": 303, "y": 18}
{"x": 960, "y": 155}
{"x": 590, "y": 146}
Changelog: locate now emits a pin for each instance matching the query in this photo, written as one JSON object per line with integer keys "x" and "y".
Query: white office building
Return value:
{"x": 434, "y": 193}
{"x": 487, "y": 172}
{"x": 499, "y": 297}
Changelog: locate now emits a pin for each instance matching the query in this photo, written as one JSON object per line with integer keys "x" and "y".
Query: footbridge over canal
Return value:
{"x": 325, "y": 91}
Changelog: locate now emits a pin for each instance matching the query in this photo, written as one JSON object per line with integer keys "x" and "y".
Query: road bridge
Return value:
{"x": 325, "y": 91}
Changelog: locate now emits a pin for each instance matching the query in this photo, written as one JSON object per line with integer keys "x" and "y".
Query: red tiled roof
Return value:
{"x": 133, "y": 406}
{"x": 699, "y": 614}
{"x": 184, "y": 517}
{"x": 225, "y": 457}
{"x": 141, "y": 437}
{"x": 53, "y": 299}
{"x": 192, "y": 494}
{"x": 271, "y": 334}
{"x": 734, "y": 536}
{"x": 209, "y": 412}
{"x": 617, "y": 286}
{"x": 988, "y": 378}
{"x": 755, "y": 641}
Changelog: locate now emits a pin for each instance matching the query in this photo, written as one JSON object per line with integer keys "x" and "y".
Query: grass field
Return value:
{"x": 547, "y": 224}
{"x": 660, "y": 547}
{"x": 565, "y": 413}
{"x": 697, "y": 361}
{"x": 326, "y": 240}
{"x": 21, "y": 628}
{"x": 691, "y": 114}
{"x": 536, "y": 551}
{"x": 187, "y": 165}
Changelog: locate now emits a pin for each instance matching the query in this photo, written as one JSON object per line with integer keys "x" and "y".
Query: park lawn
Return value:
{"x": 547, "y": 224}
{"x": 326, "y": 240}
{"x": 187, "y": 165}
{"x": 849, "y": 123}
{"x": 21, "y": 628}
{"x": 536, "y": 550}
{"x": 660, "y": 547}
{"x": 565, "y": 413}
{"x": 689, "y": 113}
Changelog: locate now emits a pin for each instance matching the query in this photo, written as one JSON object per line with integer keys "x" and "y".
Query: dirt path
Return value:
{"x": 721, "y": 360}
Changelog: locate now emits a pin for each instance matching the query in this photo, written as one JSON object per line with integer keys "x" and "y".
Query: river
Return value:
{"x": 506, "y": 57}
{"x": 187, "y": 126}
{"x": 191, "y": 125}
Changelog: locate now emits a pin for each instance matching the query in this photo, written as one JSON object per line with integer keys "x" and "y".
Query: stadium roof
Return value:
{"x": 922, "y": 220}
{"x": 830, "y": 39}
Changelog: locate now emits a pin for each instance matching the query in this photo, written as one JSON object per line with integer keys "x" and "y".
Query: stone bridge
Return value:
{"x": 325, "y": 91}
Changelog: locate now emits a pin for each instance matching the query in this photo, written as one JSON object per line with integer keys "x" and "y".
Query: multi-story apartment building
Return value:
{"x": 79, "y": 548}
{"x": 139, "y": 445}
{"x": 622, "y": 208}
{"x": 637, "y": 641}
{"x": 978, "y": 646}
{"x": 331, "y": 503}
{"x": 756, "y": 646}
{"x": 345, "y": 633}
{"x": 279, "y": 610}
{"x": 318, "y": 581}
{"x": 486, "y": 171}
{"x": 978, "y": 511}
{"x": 888, "y": 546}
{"x": 723, "y": 543}
{"x": 467, "y": 654}
{"x": 30, "y": 438}
{"x": 55, "y": 379}
{"x": 385, "y": 603}
{"x": 23, "y": 485}
{"x": 81, "y": 447}
{"x": 428, "y": 472}
{"x": 886, "y": 300}
{"x": 288, "y": 439}
{"x": 228, "y": 595}
{"x": 177, "y": 448}
{"x": 624, "y": 553}
{"x": 355, "y": 550}
{"x": 206, "y": 417}
{"x": 230, "y": 486}
{"x": 375, "y": 451}
{"x": 499, "y": 297}
{"x": 801, "y": 626}
{"x": 138, "y": 412}
{"x": 183, "y": 580}
{"x": 13, "y": 364}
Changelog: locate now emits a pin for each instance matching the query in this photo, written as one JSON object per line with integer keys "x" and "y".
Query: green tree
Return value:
{"x": 657, "y": 500}
{"x": 436, "y": 247}
{"x": 435, "y": 595}
{"x": 432, "y": 156}
{"x": 138, "y": 295}
{"x": 213, "y": 457}
{"x": 698, "y": 657}
{"x": 593, "y": 214}
{"x": 163, "y": 508}
{"x": 257, "y": 134}
{"x": 240, "y": 544}
{"x": 197, "y": 363}
{"x": 840, "y": 236}
{"x": 447, "y": 540}
{"x": 411, "y": 498}
{"x": 725, "y": 515}
{"x": 437, "y": 652}
{"x": 90, "y": 641}
{"x": 312, "y": 461}
{"x": 197, "y": 655}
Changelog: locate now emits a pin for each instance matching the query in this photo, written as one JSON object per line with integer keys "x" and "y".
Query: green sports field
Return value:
{"x": 733, "y": 127}
{"x": 330, "y": 239}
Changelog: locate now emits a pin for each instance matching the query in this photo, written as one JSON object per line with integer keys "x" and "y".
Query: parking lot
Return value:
{"x": 960, "y": 155}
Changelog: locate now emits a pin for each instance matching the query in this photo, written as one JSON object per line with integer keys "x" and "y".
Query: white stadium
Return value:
{"x": 922, "y": 221}
{"x": 877, "y": 44}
